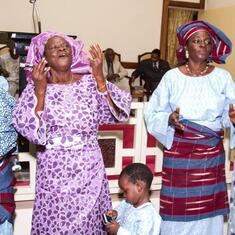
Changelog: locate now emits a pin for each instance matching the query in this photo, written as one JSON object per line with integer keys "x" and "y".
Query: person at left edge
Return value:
{"x": 8, "y": 137}
{"x": 61, "y": 109}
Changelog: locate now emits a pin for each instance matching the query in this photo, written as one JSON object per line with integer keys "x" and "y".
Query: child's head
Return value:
{"x": 135, "y": 180}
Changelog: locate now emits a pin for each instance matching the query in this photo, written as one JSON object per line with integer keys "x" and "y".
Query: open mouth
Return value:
{"x": 63, "y": 55}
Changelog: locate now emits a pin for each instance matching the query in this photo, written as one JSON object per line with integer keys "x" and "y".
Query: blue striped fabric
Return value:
{"x": 193, "y": 192}
{"x": 193, "y": 175}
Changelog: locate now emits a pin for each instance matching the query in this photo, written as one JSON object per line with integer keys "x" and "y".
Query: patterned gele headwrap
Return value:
{"x": 80, "y": 61}
{"x": 222, "y": 46}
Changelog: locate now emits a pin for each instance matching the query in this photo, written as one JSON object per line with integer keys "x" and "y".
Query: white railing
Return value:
{"x": 139, "y": 152}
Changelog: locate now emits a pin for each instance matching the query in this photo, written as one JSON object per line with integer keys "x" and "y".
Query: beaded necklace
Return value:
{"x": 198, "y": 73}
{"x": 66, "y": 88}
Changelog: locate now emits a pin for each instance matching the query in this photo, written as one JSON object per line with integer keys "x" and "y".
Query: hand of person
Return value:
{"x": 112, "y": 228}
{"x": 113, "y": 77}
{"x": 174, "y": 119}
{"x": 39, "y": 75}
{"x": 116, "y": 76}
{"x": 109, "y": 78}
{"x": 97, "y": 63}
{"x": 231, "y": 113}
{"x": 112, "y": 213}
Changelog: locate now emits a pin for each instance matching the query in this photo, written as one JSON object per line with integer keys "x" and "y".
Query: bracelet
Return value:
{"x": 102, "y": 88}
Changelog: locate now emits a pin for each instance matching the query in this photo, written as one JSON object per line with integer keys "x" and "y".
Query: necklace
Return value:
{"x": 67, "y": 88}
{"x": 196, "y": 74}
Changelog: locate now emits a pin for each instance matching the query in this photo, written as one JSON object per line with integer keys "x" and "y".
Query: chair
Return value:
{"x": 140, "y": 91}
{"x": 117, "y": 56}
{"x": 137, "y": 92}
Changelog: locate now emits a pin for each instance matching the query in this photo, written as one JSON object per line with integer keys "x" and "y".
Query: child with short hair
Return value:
{"x": 8, "y": 137}
{"x": 136, "y": 214}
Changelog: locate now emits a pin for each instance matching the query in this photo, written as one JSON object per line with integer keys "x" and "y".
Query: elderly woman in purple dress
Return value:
{"x": 61, "y": 109}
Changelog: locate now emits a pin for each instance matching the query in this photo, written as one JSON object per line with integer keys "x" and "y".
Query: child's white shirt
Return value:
{"x": 143, "y": 220}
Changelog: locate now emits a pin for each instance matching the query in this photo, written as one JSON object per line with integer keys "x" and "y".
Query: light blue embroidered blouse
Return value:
{"x": 204, "y": 100}
{"x": 8, "y": 134}
{"x": 143, "y": 220}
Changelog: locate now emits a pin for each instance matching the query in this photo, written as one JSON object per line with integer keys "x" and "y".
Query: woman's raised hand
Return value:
{"x": 39, "y": 74}
{"x": 97, "y": 62}
{"x": 174, "y": 119}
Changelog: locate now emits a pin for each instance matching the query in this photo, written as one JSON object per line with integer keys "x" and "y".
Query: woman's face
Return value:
{"x": 199, "y": 46}
{"x": 58, "y": 53}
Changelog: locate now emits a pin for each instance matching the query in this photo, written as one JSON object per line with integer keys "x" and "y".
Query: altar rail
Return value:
{"x": 121, "y": 144}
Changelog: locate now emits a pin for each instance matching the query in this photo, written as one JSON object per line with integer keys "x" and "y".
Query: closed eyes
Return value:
{"x": 63, "y": 46}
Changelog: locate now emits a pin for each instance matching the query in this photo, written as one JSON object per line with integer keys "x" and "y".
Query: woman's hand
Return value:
{"x": 97, "y": 64}
{"x": 231, "y": 113}
{"x": 112, "y": 213}
{"x": 174, "y": 119}
{"x": 39, "y": 75}
{"x": 112, "y": 228}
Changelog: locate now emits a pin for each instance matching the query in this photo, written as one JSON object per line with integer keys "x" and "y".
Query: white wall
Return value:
{"x": 221, "y": 14}
{"x": 212, "y": 4}
{"x": 129, "y": 26}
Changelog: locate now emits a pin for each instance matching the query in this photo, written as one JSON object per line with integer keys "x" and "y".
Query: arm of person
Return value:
{"x": 29, "y": 116}
{"x": 228, "y": 117}
{"x": 114, "y": 226}
{"x": 146, "y": 222}
{"x": 144, "y": 225}
{"x": 157, "y": 113}
{"x": 139, "y": 70}
{"x": 8, "y": 135}
{"x": 114, "y": 103}
{"x": 232, "y": 131}
{"x": 25, "y": 119}
{"x": 122, "y": 72}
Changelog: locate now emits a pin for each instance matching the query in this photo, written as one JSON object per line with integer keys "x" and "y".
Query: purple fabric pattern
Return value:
{"x": 71, "y": 184}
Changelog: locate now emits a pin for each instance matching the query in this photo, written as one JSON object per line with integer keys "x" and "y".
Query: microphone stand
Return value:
{"x": 37, "y": 17}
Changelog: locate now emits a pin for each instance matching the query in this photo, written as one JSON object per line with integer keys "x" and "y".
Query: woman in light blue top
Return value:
{"x": 187, "y": 113}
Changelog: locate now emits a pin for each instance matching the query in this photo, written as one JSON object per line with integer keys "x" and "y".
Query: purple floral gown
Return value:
{"x": 71, "y": 185}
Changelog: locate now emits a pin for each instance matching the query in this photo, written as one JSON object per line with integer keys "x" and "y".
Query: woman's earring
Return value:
{"x": 186, "y": 54}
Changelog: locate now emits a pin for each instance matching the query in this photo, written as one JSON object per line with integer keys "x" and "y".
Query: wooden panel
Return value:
{"x": 129, "y": 65}
{"x": 108, "y": 151}
{"x": 191, "y": 5}
{"x": 164, "y": 29}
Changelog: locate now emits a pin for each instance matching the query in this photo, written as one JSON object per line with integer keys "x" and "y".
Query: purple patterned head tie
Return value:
{"x": 222, "y": 46}
{"x": 80, "y": 61}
